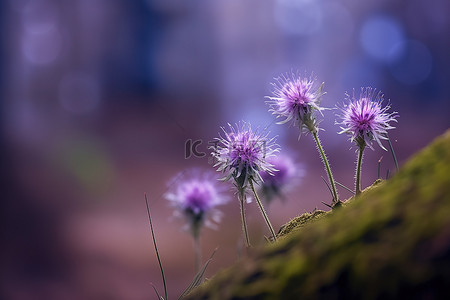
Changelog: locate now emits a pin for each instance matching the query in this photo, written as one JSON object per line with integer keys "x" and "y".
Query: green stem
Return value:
{"x": 263, "y": 211}
{"x": 241, "y": 196}
{"x": 358, "y": 169}
{"x": 198, "y": 254}
{"x": 327, "y": 167}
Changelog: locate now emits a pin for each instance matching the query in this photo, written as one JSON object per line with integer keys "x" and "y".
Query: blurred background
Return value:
{"x": 98, "y": 98}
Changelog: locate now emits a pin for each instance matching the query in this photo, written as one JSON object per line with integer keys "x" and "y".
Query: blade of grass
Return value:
{"x": 156, "y": 248}
{"x": 198, "y": 277}
{"x": 331, "y": 192}
{"x": 328, "y": 186}
{"x": 393, "y": 153}
{"x": 343, "y": 186}
{"x": 326, "y": 204}
{"x": 379, "y": 166}
{"x": 156, "y": 291}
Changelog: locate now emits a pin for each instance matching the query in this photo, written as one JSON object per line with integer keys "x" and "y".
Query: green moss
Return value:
{"x": 300, "y": 221}
{"x": 307, "y": 218}
{"x": 393, "y": 241}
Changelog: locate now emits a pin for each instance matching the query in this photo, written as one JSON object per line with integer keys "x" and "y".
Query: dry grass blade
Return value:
{"x": 347, "y": 188}
{"x": 156, "y": 250}
{"x": 393, "y": 153}
{"x": 156, "y": 292}
{"x": 198, "y": 277}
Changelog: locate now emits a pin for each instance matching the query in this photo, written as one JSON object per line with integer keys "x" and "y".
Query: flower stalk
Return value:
{"x": 362, "y": 146}
{"x": 327, "y": 168}
{"x": 197, "y": 251}
{"x": 241, "y": 196}
{"x": 263, "y": 211}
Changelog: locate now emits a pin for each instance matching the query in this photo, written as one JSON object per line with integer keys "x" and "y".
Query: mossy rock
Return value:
{"x": 392, "y": 242}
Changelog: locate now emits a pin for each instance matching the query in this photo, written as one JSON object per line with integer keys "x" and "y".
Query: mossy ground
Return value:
{"x": 393, "y": 241}
{"x": 301, "y": 221}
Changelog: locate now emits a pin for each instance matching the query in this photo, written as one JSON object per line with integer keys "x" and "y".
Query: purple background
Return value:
{"x": 99, "y": 97}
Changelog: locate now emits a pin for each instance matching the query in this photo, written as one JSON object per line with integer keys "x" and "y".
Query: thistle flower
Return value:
{"x": 241, "y": 153}
{"x": 195, "y": 196}
{"x": 365, "y": 119}
{"x": 287, "y": 175}
{"x": 296, "y": 98}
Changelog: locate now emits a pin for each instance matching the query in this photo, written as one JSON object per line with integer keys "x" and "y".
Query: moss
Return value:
{"x": 307, "y": 218}
{"x": 393, "y": 241}
{"x": 300, "y": 221}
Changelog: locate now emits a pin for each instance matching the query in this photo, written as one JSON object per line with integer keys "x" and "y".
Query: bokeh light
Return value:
{"x": 413, "y": 62}
{"x": 42, "y": 48}
{"x": 302, "y": 17}
{"x": 39, "y": 16}
{"x": 379, "y": 35}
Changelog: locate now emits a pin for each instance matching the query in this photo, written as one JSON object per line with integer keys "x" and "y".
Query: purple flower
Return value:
{"x": 365, "y": 119}
{"x": 296, "y": 98}
{"x": 241, "y": 153}
{"x": 195, "y": 196}
{"x": 287, "y": 174}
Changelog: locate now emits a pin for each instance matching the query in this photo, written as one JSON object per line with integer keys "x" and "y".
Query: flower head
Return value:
{"x": 195, "y": 196}
{"x": 365, "y": 119}
{"x": 287, "y": 174}
{"x": 241, "y": 153}
{"x": 296, "y": 98}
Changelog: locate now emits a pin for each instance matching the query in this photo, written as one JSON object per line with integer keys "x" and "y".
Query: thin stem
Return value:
{"x": 379, "y": 166}
{"x": 156, "y": 248}
{"x": 263, "y": 211}
{"x": 198, "y": 254}
{"x": 343, "y": 186}
{"x": 241, "y": 196}
{"x": 358, "y": 169}
{"x": 327, "y": 167}
{"x": 326, "y": 204}
{"x": 197, "y": 278}
{"x": 328, "y": 186}
{"x": 392, "y": 151}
